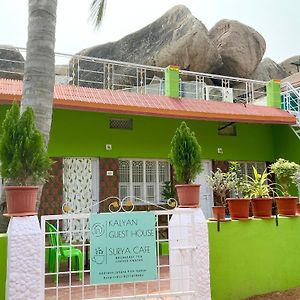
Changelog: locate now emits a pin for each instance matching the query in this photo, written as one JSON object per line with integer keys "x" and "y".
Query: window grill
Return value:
{"x": 143, "y": 179}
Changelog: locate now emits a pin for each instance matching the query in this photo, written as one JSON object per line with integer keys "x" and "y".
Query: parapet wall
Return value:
{"x": 254, "y": 257}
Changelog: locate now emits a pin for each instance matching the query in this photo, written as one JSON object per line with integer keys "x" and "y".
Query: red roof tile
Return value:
{"x": 83, "y": 98}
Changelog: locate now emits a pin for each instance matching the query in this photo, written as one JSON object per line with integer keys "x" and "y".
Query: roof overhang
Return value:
{"x": 83, "y": 98}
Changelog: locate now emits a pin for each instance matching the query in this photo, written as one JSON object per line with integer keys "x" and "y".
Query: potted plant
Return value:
{"x": 238, "y": 205}
{"x": 186, "y": 159}
{"x": 24, "y": 161}
{"x": 221, "y": 183}
{"x": 258, "y": 189}
{"x": 297, "y": 181}
{"x": 285, "y": 171}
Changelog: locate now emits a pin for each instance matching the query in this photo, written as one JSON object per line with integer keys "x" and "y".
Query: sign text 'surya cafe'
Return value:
{"x": 123, "y": 247}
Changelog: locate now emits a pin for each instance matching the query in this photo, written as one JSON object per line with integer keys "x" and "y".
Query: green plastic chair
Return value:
{"x": 60, "y": 252}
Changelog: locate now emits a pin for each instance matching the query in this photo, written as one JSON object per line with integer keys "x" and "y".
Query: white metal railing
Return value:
{"x": 291, "y": 103}
{"x": 63, "y": 282}
{"x": 290, "y": 98}
{"x": 116, "y": 75}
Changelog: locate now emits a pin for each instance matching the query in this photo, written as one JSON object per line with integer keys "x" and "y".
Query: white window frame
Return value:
{"x": 157, "y": 196}
{"x": 252, "y": 163}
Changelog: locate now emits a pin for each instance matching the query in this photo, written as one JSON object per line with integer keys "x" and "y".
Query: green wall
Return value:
{"x": 254, "y": 257}
{"x": 287, "y": 145}
{"x": 78, "y": 133}
{"x": 3, "y": 256}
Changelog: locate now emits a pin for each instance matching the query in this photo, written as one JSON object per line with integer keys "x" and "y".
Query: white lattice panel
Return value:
{"x": 77, "y": 180}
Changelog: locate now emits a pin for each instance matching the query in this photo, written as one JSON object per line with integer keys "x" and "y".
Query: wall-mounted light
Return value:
{"x": 220, "y": 150}
{"x": 108, "y": 147}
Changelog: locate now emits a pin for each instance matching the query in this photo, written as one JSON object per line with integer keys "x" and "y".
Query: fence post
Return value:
{"x": 25, "y": 259}
{"x": 189, "y": 253}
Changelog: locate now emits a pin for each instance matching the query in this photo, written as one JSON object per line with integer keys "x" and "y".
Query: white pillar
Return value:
{"x": 189, "y": 253}
{"x": 25, "y": 260}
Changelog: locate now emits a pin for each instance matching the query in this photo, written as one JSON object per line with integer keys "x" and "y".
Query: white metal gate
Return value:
{"x": 65, "y": 280}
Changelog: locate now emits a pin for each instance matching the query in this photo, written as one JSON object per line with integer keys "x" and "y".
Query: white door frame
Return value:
{"x": 206, "y": 192}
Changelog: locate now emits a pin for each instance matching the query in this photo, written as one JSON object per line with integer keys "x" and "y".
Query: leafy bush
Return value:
{"x": 185, "y": 154}
{"x": 284, "y": 171}
{"x": 222, "y": 183}
{"x": 24, "y": 159}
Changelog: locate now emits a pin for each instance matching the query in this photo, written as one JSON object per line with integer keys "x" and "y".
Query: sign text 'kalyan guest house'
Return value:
{"x": 123, "y": 247}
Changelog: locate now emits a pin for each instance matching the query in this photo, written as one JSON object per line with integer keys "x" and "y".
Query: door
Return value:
{"x": 81, "y": 189}
{"x": 206, "y": 192}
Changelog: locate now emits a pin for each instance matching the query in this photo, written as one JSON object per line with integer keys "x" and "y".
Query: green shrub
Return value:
{"x": 24, "y": 159}
{"x": 284, "y": 171}
{"x": 185, "y": 154}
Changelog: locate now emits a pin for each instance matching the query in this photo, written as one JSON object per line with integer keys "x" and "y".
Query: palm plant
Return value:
{"x": 258, "y": 186}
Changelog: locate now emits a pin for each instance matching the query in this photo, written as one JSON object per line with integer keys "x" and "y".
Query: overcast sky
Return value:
{"x": 277, "y": 21}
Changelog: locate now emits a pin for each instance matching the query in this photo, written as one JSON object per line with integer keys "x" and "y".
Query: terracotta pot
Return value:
{"x": 238, "y": 208}
{"x": 188, "y": 195}
{"x": 298, "y": 208}
{"x": 21, "y": 200}
{"x": 219, "y": 212}
{"x": 286, "y": 206}
{"x": 262, "y": 207}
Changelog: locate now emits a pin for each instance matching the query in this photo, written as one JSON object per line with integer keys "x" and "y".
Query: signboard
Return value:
{"x": 122, "y": 247}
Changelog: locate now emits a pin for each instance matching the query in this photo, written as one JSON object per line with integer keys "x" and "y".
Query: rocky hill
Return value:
{"x": 228, "y": 48}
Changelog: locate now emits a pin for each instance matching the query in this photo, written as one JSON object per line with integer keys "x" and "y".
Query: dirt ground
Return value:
{"x": 292, "y": 294}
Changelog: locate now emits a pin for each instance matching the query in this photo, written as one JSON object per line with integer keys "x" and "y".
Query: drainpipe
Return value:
{"x": 273, "y": 93}
{"x": 172, "y": 81}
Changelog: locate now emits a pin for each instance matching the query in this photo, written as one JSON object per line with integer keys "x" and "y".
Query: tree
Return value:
{"x": 96, "y": 12}
{"x": 39, "y": 70}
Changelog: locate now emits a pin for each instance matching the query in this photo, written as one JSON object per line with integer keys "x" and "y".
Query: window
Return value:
{"x": 227, "y": 129}
{"x": 143, "y": 179}
{"x": 246, "y": 167}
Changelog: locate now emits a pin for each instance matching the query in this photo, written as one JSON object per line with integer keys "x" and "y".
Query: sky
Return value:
{"x": 277, "y": 21}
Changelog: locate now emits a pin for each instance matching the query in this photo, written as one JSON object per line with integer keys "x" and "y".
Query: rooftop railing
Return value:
{"x": 116, "y": 75}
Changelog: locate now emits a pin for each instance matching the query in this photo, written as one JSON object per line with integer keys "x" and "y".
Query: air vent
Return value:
{"x": 120, "y": 124}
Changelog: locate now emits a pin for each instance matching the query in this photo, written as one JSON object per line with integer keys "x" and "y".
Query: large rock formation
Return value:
{"x": 269, "y": 69}
{"x": 11, "y": 63}
{"x": 240, "y": 46}
{"x": 290, "y": 68}
{"x": 175, "y": 38}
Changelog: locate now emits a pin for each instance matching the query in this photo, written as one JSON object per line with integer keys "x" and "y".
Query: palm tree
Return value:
{"x": 39, "y": 70}
{"x": 96, "y": 12}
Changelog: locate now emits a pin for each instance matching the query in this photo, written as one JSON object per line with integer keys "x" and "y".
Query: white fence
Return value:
{"x": 66, "y": 278}
{"x": 116, "y": 75}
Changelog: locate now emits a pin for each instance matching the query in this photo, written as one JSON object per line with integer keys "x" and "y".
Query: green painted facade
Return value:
{"x": 287, "y": 146}
{"x": 3, "y": 256}
{"x": 253, "y": 257}
{"x": 79, "y": 133}
{"x": 84, "y": 134}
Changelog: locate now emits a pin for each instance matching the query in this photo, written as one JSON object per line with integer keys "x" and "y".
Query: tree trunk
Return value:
{"x": 39, "y": 72}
